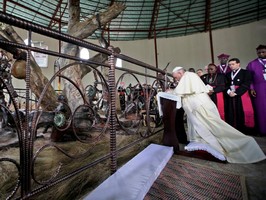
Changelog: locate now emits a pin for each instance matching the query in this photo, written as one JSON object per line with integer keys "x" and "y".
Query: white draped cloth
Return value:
{"x": 206, "y": 126}
{"x": 169, "y": 96}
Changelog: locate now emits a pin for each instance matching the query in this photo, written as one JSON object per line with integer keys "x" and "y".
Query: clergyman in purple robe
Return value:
{"x": 257, "y": 68}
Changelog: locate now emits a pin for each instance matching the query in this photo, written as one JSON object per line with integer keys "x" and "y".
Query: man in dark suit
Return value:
{"x": 238, "y": 108}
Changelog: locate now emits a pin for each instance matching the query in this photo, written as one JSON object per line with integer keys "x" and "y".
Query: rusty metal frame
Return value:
{"x": 26, "y": 134}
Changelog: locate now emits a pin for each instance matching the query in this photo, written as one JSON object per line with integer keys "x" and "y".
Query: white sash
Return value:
{"x": 264, "y": 64}
{"x": 234, "y": 75}
{"x": 225, "y": 69}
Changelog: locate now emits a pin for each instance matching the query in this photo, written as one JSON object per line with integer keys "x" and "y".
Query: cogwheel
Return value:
{"x": 59, "y": 119}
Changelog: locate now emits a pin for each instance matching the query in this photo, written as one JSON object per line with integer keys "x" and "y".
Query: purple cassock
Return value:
{"x": 257, "y": 68}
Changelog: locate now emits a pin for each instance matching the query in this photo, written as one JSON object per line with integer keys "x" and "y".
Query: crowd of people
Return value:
{"x": 224, "y": 105}
{"x": 238, "y": 92}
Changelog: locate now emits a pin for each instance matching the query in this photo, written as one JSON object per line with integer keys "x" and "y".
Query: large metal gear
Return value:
{"x": 59, "y": 119}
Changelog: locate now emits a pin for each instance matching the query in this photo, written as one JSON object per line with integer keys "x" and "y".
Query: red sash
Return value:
{"x": 248, "y": 110}
{"x": 220, "y": 104}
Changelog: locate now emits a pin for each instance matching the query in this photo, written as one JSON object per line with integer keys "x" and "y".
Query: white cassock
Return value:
{"x": 206, "y": 126}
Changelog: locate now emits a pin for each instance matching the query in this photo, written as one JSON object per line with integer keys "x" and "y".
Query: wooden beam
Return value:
{"x": 154, "y": 17}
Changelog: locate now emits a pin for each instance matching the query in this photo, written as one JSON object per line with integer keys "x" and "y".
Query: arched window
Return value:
{"x": 118, "y": 62}
{"x": 84, "y": 53}
{"x": 26, "y": 41}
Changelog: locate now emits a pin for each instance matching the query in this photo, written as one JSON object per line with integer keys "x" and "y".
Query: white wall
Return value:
{"x": 241, "y": 41}
{"x": 194, "y": 50}
{"x": 189, "y": 51}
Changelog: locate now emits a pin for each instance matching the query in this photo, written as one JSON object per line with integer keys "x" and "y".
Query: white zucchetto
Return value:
{"x": 177, "y": 68}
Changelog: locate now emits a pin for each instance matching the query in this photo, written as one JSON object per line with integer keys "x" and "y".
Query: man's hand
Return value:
{"x": 232, "y": 94}
{"x": 253, "y": 93}
{"x": 210, "y": 92}
{"x": 171, "y": 91}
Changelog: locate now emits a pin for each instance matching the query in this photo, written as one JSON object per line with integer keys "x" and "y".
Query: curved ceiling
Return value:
{"x": 144, "y": 19}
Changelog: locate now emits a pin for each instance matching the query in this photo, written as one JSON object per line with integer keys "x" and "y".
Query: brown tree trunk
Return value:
{"x": 82, "y": 30}
{"x": 77, "y": 29}
{"x": 37, "y": 79}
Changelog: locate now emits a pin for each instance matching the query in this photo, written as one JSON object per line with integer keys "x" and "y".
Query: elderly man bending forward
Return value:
{"x": 205, "y": 124}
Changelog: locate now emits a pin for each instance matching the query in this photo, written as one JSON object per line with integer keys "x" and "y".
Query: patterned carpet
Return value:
{"x": 182, "y": 179}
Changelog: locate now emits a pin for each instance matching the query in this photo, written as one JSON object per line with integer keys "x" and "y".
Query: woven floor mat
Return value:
{"x": 186, "y": 180}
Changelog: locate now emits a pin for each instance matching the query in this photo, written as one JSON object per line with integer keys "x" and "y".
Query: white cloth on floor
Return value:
{"x": 133, "y": 180}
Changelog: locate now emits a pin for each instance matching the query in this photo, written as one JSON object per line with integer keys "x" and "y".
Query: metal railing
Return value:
{"x": 87, "y": 125}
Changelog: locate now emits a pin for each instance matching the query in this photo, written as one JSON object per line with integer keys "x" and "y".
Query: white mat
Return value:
{"x": 135, "y": 178}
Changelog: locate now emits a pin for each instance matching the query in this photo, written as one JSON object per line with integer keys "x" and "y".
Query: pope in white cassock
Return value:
{"x": 205, "y": 125}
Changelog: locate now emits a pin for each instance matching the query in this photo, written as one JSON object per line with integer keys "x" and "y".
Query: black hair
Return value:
{"x": 191, "y": 69}
{"x": 261, "y": 47}
{"x": 212, "y": 64}
{"x": 234, "y": 59}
